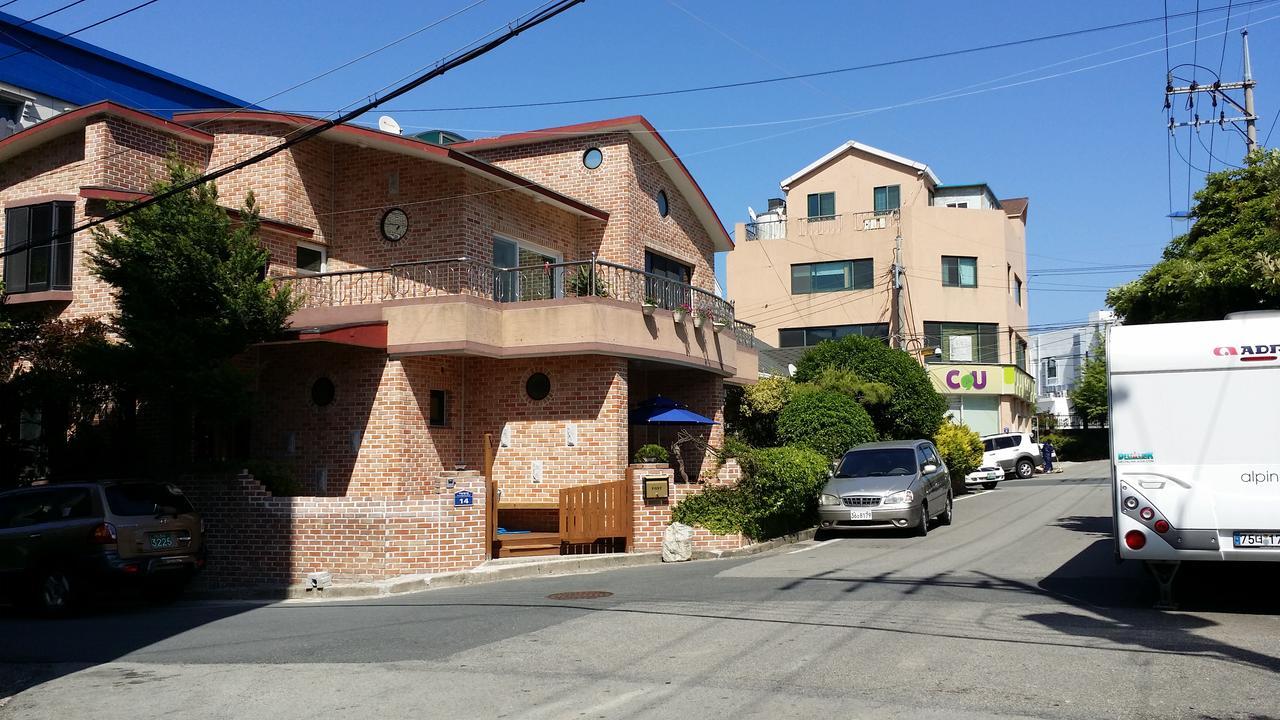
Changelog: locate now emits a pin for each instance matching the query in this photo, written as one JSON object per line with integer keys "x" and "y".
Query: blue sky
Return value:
{"x": 1088, "y": 147}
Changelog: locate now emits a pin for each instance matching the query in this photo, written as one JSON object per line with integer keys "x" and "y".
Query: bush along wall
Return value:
{"x": 778, "y": 494}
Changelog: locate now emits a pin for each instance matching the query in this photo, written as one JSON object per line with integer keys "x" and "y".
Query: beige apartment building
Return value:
{"x": 819, "y": 264}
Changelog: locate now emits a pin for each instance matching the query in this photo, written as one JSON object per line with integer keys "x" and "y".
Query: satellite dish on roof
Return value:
{"x": 751, "y": 213}
{"x": 387, "y": 124}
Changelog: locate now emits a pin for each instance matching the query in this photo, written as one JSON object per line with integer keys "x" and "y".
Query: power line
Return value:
{"x": 547, "y": 12}
{"x": 65, "y": 35}
{"x": 54, "y": 11}
{"x": 90, "y": 26}
{"x": 825, "y": 73}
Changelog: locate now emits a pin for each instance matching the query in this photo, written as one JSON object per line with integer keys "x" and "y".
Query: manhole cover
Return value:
{"x": 580, "y": 595}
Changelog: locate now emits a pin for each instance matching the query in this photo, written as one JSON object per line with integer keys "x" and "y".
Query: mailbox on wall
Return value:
{"x": 657, "y": 487}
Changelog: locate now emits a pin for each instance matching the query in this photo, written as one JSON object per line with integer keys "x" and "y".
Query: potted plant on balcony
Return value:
{"x": 701, "y": 316}
{"x": 649, "y": 305}
{"x": 584, "y": 282}
{"x": 680, "y": 311}
{"x": 719, "y": 323}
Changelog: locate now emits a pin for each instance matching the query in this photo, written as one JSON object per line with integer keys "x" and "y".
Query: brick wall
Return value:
{"x": 625, "y": 185}
{"x": 254, "y": 538}
{"x": 588, "y": 391}
{"x": 702, "y": 391}
{"x": 652, "y": 517}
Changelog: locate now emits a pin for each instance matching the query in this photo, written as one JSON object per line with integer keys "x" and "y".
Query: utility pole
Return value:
{"x": 1216, "y": 90}
{"x": 1252, "y": 123}
{"x": 899, "y": 312}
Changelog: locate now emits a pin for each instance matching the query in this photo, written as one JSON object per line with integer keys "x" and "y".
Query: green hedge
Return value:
{"x": 778, "y": 494}
{"x": 961, "y": 450}
{"x": 826, "y": 421}
{"x": 915, "y": 409}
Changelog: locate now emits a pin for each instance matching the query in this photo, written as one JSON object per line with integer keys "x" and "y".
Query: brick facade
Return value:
{"x": 653, "y": 516}
{"x": 370, "y": 465}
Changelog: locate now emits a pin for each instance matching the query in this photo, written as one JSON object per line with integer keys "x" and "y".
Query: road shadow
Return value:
{"x": 1097, "y": 525}
{"x": 36, "y": 649}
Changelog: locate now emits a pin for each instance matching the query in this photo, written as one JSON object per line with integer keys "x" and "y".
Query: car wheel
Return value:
{"x": 923, "y": 529}
{"x": 1025, "y": 468}
{"x": 989, "y": 486}
{"x": 949, "y": 514}
{"x": 55, "y": 592}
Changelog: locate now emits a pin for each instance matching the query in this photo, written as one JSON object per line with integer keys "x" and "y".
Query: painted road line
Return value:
{"x": 971, "y": 495}
{"x": 814, "y": 547}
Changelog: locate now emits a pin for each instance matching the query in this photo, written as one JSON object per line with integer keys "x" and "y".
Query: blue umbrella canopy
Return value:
{"x": 664, "y": 411}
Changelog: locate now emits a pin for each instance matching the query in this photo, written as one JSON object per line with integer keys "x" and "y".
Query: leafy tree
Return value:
{"x": 848, "y": 383}
{"x": 751, "y": 413}
{"x": 781, "y": 487}
{"x": 190, "y": 295}
{"x": 55, "y": 386}
{"x": 914, "y": 410}
{"x": 825, "y": 421}
{"x": 1228, "y": 260}
{"x": 961, "y": 450}
{"x": 1089, "y": 397}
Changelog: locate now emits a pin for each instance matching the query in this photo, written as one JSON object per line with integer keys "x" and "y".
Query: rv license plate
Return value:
{"x": 159, "y": 541}
{"x": 1256, "y": 539}
{"x": 859, "y": 514}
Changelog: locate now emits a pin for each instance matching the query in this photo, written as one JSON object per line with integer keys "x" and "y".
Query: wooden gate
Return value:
{"x": 596, "y": 518}
{"x": 490, "y": 499}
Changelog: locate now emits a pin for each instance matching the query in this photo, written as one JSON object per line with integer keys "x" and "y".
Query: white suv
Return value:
{"x": 1012, "y": 453}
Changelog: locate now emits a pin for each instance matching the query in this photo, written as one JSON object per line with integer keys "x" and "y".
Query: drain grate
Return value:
{"x": 580, "y": 595}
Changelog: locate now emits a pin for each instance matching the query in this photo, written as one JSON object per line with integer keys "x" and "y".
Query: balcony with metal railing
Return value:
{"x": 817, "y": 226}
{"x": 456, "y": 304}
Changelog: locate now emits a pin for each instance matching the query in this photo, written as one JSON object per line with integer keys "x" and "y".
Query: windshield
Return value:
{"x": 146, "y": 499}
{"x": 872, "y": 463}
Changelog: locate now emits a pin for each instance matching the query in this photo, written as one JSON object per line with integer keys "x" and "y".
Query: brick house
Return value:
{"x": 496, "y": 305}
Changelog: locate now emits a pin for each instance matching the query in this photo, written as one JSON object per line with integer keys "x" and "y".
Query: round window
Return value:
{"x": 592, "y": 158}
{"x": 322, "y": 391}
{"x": 663, "y": 209}
{"x": 538, "y": 386}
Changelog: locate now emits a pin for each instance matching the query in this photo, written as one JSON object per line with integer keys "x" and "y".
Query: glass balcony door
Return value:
{"x": 525, "y": 272}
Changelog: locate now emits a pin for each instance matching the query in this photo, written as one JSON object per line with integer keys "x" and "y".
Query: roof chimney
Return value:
{"x": 777, "y": 204}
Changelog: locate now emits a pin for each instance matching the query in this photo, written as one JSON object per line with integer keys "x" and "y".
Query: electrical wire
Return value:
{"x": 1213, "y": 129}
{"x": 77, "y": 31}
{"x": 54, "y": 11}
{"x": 823, "y": 73}
{"x": 546, "y": 12}
{"x": 1212, "y": 157}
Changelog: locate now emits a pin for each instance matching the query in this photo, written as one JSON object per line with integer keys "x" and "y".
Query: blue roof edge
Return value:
{"x": 17, "y": 24}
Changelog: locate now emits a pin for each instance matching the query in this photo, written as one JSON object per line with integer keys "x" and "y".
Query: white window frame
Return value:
{"x": 324, "y": 258}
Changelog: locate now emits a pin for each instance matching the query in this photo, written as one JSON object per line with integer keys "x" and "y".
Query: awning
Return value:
{"x": 663, "y": 411}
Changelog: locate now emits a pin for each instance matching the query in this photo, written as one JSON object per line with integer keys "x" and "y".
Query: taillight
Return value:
{"x": 1146, "y": 513}
{"x": 1162, "y": 526}
{"x": 104, "y": 534}
{"x": 1135, "y": 539}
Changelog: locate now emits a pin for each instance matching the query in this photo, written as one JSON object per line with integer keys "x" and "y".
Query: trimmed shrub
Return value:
{"x": 651, "y": 453}
{"x": 780, "y": 487}
{"x": 718, "y": 508}
{"x": 825, "y": 421}
{"x": 734, "y": 447}
{"x": 961, "y": 450}
{"x": 752, "y": 412}
{"x": 915, "y": 410}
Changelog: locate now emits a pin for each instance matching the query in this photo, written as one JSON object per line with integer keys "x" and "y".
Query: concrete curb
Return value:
{"x": 487, "y": 573}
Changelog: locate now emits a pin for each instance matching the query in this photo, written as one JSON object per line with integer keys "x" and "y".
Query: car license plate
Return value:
{"x": 160, "y": 541}
{"x": 1256, "y": 539}
{"x": 859, "y": 514}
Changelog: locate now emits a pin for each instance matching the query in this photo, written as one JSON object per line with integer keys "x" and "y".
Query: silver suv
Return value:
{"x": 902, "y": 484}
{"x": 1014, "y": 453}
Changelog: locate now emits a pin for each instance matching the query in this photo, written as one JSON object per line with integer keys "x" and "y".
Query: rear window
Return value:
{"x": 988, "y": 445}
{"x": 872, "y": 463}
{"x": 146, "y": 499}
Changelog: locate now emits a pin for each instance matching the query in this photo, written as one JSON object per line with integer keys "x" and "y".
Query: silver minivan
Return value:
{"x": 898, "y": 484}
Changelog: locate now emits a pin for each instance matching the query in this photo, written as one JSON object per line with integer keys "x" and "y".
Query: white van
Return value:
{"x": 1195, "y": 440}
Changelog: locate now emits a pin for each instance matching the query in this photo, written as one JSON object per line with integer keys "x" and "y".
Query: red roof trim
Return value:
{"x": 622, "y": 124}
{"x": 368, "y": 335}
{"x": 445, "y": 153}
{"x": 91, "y": 192}
{"x": 82, "y": 114}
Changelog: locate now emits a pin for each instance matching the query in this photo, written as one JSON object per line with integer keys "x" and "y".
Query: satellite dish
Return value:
{"x": 387, "y": 124}
{"x": 751, "y": 213}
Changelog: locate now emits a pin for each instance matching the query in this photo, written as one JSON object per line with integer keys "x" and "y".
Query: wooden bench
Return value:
{"x": 526, "y": 544}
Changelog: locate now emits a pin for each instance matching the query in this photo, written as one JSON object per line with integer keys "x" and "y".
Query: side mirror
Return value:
{"x": 929, "y": 468}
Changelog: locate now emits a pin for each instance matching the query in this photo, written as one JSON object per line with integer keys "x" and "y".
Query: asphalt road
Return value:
{"x": 1017, "y": 610}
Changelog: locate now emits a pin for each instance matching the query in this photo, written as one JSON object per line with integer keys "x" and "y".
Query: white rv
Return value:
{"x": 1195, "y": 440}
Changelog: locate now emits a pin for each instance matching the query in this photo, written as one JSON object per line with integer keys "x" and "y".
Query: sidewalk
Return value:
{"x": 491, "y": 571}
